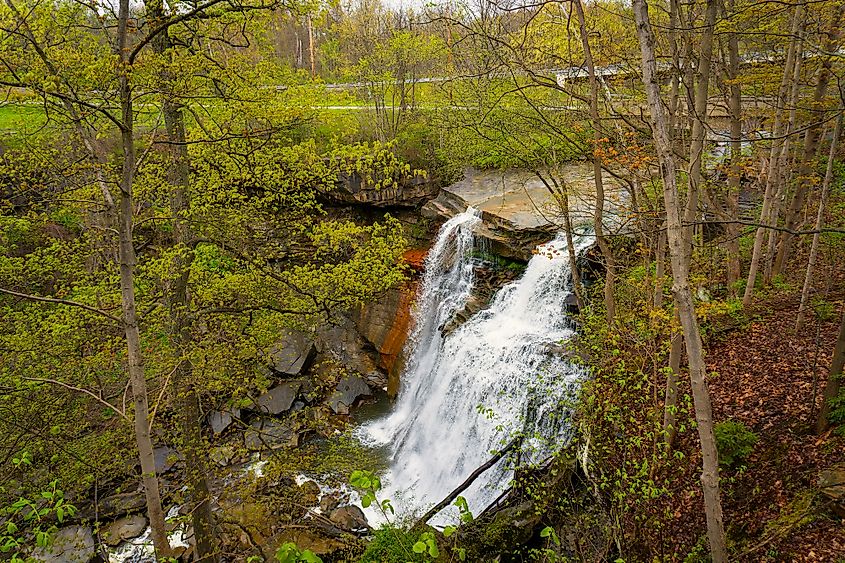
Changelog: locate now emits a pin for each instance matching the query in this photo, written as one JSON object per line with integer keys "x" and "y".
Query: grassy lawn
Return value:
{"x": 21, "y": 118}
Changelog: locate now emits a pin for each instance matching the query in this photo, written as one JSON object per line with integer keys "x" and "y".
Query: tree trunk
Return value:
{"x": 734, "y": 268}
{"x": 670, "y": 400}
{"x": 814, "y": 248}
{"x": 777, "y": 133}
{"x": 781, "y": 179}
{"x": 598, "y": 217}
{"x": 179, "y": 307}
{"x": 831, "y": 390}
{"x": 562, "y": 196}
{"x": 702, "y": 87}
{"x": 811, "y": 140}
{"x": 681, "y": 289}
{"x": 311, "y": 47}
{"x": 659, "y": 270}
{"x": 196, "y": 471}
{"x": 127, "y": 262}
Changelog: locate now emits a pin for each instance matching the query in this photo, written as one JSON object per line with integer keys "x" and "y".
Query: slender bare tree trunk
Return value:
{"x": 811, "y": 139}
{"x": 674, "y": 93}
{"x": 814, "y": 248}
{"x": 659, "y": 270}
{"x": 562, "y": 194}
{"x": 196, "y": 471}
{"x": 781, "y": 175}
{"x": 598, "y": 217}
{"x": 670, "y": 399}
{"x": 734, "y": 269}
{"x": 700, "y": 96}
{"x": 834, "y": 380}
{"x": 777, "y": 133}
{"x": 127, "y": 261}
{"x": 179, "y": 306}
{"x": 311, "y": 47}
{"x": 681, "y": 289}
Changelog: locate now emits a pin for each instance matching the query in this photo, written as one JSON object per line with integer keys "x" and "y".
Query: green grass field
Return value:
{"x": 21, "y": 118}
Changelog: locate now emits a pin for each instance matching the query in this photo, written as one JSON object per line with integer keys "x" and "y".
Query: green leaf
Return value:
{"x": 448, "y": 531}
{"x": 419, "y": 547}
{"x": 309, "y": 557}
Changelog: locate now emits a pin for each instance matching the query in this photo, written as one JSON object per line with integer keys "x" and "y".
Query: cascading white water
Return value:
{"x": 499, "y": 374}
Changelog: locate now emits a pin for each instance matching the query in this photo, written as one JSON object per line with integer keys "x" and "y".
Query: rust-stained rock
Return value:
{"x": 386, "y": 324}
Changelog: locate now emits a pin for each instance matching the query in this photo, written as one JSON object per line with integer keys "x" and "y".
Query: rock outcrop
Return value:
{"x": 353, "y": 190}
{"x": 73, "y": 544}
{"x": 292, "y": 354}
{"x": 278, "y": 399}
{"x": 126, "y": 528}
{"x": 832, "y": 487}
{"x": 223, "y": 419}
{"x": 386, "y": 324}
{"x": 349, "y": 518}
{"x": 267, "y": 434}
{"x": 518, "y": 211}
{"x": 349, "y": 390}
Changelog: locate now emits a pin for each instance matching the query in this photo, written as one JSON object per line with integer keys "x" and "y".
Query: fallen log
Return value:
{"x": 515, "y": 443}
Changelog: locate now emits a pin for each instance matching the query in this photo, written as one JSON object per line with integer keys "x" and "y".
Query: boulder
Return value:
{"x": 328, "y": 503}
{"x": 273, "y": 434}
{"x": 222, "y": 455}
{"x": 309, "y": 493}
{"x": 117, "y": 505}
{"x": 166, "y": 457}
{"x": 73, "y": 544}
{"x": 126, "y": 528}
{"x": 292, "y": 355}
{"x": 221, "y": 420}
{"x": 349, "y": 518}
{"x": 342, "y": 342}
{"x": 832, "y": 487}
{"x": 279, "y": 399}
{"x": 349, "y": 390}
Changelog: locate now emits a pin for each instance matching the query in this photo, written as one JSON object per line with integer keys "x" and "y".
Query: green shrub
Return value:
{"x": 837, "y": 411}
{"x": 391, "y": 544}
{"x": 734, "y": 441}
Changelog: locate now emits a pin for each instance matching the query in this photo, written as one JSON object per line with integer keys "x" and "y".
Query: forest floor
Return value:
{"x": 766, "y": 377}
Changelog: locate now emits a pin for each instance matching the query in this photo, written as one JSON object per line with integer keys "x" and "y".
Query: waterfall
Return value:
{"x": 501, "y": 373}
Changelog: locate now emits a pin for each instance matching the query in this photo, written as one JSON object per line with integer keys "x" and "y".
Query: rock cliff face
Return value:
{"x": 386, "y": 324}
{"x": 352, "y": 189}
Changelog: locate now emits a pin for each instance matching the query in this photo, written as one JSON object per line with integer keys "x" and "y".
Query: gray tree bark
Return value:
{"x": 777, "y": 132}
{"x": 127, "y": 262}
{"x": 598, "y": 217}
{"x": 681, "y": 288}
{"x": 832, "y": 388}
{"x": 814, "y": 248}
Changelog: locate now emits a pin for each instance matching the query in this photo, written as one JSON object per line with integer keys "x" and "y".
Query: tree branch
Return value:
{"x": 62, "y": 302}
{"x": 81, "y": 390}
